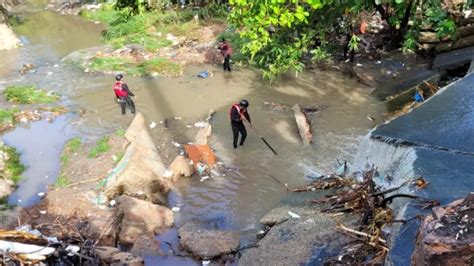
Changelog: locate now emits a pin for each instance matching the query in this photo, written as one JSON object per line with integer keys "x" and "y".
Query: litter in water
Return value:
{"x": 293, "y": 215}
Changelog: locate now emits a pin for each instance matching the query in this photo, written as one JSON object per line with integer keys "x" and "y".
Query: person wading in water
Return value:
{"x": 123, "y": 93}
{"x": 238, "y": 112}
{"x": 226, "y": 51}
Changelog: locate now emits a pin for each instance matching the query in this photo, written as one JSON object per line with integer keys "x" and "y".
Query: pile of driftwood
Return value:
{"x": 370, "y": 202}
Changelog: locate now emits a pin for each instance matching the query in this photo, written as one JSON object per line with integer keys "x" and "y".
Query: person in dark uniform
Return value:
{"x": 123, "y": 94}
{"x": 226, "y": 51}
{"x": 238, "y": 113}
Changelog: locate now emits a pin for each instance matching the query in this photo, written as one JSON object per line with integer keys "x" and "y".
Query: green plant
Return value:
{"x": 28, "y": 95}
{"x": 101, "y": 146}
{"x": 118, "y": 157}
{"x": 354, "y": 43}
{"x": 72, "y": 146}
{"x": 106, "y": 14}
{"x": 320, "y": 54}
{"x": 120, "y": 132}
{"x": 162, "y": 66}
{"x": 62, "y": 181}
{"x": 7, "y": 117}
{"x": 13, "y": 166}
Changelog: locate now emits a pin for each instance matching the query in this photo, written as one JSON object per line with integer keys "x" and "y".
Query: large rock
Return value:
{"x": 181, "y": 166}
{"x": 293, "y": 242}
{"x": 205, "y": 243}
{"x": 303, "y": 125}
{"x": 113, "y": 256}
{"x": 146, "y": 246}
{"x": 141, "y": 218}
{"x": 8, "y": 40}
{"x": 447, "y": 236}
{"x": 140, "y": 172}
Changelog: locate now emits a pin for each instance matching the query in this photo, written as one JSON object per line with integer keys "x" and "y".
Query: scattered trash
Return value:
{"x": 420, "y": 183}
{"x": 189, "y": 126}
{"x": 200, "y": 124}
{"x": 205, "y": 74}
{"x": 204, "y": 178}
{"x": 114, "y": 158}
{"x": 168, "y": 174}
{"x": 153, "y": 124}
{"x": 42, "y": 212}
{"x": 201, "y": 168}
{"x": 24, "y": 120}
{"x": 161, "y": 122}
{"x": 112, "y": 203}
{"x": 175, "y": 209}
{"x": 378, "y": 62}
{"x": 41, "y": 194}
{"x": 205, "y": 262}
{"x": 72, "y": 249}
{"x": 49, "y": 73}
{"x": 293, "y": 215}
{"x": 178, "y": 118}
{"x": 56, "y": 65}
{"x": 19, "y": 200}
{"x": 19, "y": 248}
{"x": 370, "y": 118}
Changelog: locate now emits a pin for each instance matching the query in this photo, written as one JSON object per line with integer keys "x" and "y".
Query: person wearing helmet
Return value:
{"x": 239, "y": 113}
{"x": 226, "y": 51}
{"x": 123, "y": 93}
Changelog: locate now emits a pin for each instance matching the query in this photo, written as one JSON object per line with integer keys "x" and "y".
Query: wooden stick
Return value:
{"x": 83, "y": 182}
{"x": 341, "y": 226}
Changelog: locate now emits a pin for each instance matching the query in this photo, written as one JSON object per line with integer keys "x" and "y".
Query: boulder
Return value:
{"x": 6, "y": 187}
{"x": 294, "y": 242}
{"x": 447, "y": 236}
{"x": 8, "y": 40}
{"x": 146, "y": 246}
{"x": 207, "y": 243}
{"x": 141, "y": 218}
{"x": 181, "y": 166}
{"x": 140, "y": 172}
{"x": 113, "y": 256}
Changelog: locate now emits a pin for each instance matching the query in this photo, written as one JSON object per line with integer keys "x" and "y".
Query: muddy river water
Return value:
{"x": 236, "y": 201}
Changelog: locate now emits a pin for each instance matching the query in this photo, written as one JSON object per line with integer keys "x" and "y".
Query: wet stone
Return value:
{"x": 206, "y": 243}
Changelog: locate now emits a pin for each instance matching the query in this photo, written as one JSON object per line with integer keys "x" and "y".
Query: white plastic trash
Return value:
{"x": 206, "y": 262}
{"x": 204, "y": 178}
{"x": 41, "y": 194}
{"x": 168, "y": 174}
{"x": 175, "y": 209}
{"x": 178, "y": 118}
{"x": 293, "y": 215}
{"x": 19, "y": 248}
{"x": 200, "y": 124}
{"x": 152, "y": 124}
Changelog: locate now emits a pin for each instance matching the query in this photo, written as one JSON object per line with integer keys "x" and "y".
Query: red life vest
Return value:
{"x": 237, "y": 107}
{"x": 119, "y": 92}
{"x": 226, "y": 49}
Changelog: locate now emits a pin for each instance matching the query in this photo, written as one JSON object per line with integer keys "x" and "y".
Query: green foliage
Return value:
{"x": 7, "y": 117}
{"x": 62, "y": 181}
{"x": 410, "y": 44}
{"x": 101, "y": 146}
{"x": 161, "y": 66}
{"x": 13, "y": 166}
{"x": 28, "y": 95}
{"x": 118, "y": 157}
{"x": 320, "y": 54}
{"x": 120, "y": 132}
{"x": 106, "y": 14}
{"x": 72, "y": 146}
{"x": 354, "y": 43}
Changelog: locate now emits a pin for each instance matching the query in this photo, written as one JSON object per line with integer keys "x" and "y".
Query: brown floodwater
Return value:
{"x": 235, "y": 201}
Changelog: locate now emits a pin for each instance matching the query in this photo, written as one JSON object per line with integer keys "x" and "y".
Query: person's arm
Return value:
{"x": 234, "y": 115}
{"x": 125, "y": 88}
{"x": 247, "y": 116}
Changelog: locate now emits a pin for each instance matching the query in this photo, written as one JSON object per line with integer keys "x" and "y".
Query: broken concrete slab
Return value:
{"x": 454, "y": 59}
{"x": 207, "y": 243}
{"x": 141, "y": 218}
{"x": 140, "y": 172}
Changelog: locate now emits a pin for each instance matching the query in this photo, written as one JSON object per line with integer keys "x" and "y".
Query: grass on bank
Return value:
{"x": 13, "y": 166}
{"x": 161, "y": 66}
{"x": 62, "y": 181}
{"x": 101, "y": 146}
{"x": 120, "y": 132}
{"x": 28, "y": 94}
{"x": 72, "y": 146}
{"x": 7, "y": 117}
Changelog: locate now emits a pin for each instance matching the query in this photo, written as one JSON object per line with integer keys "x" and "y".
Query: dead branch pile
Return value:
{"x": 371, "y": 203}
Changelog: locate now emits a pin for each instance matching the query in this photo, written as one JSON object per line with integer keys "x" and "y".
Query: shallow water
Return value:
{"x": 236, "y": 201}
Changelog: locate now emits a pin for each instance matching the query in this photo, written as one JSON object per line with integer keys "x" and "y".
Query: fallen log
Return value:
{"x": 303, "y": 125}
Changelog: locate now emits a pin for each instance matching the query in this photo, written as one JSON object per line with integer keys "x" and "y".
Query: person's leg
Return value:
{"x": 123, "y": 105}
{"x": 235, "y": 132}
{"x": 131, "y": 104}
{"x": 228, "y": 63}
{"x": 243, "y": 132}
{"x": 225, "y": 63}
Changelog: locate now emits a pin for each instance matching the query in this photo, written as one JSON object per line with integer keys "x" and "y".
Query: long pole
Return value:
{"x": 262, "y": 138}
